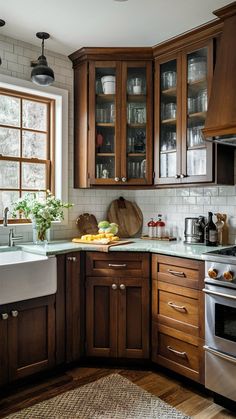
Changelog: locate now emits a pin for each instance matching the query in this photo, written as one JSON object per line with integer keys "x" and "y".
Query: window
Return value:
{"x": 26, "y": 145}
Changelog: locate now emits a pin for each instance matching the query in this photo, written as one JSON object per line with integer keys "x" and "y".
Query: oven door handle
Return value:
{"x": 220, "y": 354}
{"x": 219, "y": 294}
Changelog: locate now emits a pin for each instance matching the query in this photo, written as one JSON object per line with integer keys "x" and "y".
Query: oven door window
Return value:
{"x": 225, "y": 322}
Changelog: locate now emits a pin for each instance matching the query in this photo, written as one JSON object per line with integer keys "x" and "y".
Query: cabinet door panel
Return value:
{"x": 3, "y": 347}
{"x": 104, "y": 122}
{"x": 136, "y": 123}
{"x": 73, "y": 307}
{"x": 168, "y": 120}
{"x": 197, "y": 73}
{"x": 101, "y": 316}
{"x": 133, "y": 336}
{"x": 31, "y": 337}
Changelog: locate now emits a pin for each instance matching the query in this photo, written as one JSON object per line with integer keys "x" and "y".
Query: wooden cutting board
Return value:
{"x": 127, "y": 215}
{"x": 87, "y": 224}
{"x": 102, "y": 247}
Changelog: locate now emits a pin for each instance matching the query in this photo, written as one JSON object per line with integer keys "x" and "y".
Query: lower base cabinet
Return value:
{"x": 117, "y": 317}
{"x": 117, "y": 288}
{"x": 27, "y": 336}
{"x": 178, "y": 315}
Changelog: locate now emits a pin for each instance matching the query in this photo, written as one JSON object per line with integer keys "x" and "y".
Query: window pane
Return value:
{"x": 34, "y": 115}
{"x": 9, "y": 111}
{"x": 34, "y": 145}
{"x": 6, "y": 200}
{"x": 41, "y": 196}
{"x": 10, "y": 142}
{"x": 9, "y": 174}
{"x": 33, "y": 176}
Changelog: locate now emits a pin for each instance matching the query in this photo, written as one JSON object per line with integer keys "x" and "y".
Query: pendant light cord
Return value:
{"x": 43, "y": 46}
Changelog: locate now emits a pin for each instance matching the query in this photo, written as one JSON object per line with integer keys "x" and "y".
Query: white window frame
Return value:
{"x": 61, "y": 129}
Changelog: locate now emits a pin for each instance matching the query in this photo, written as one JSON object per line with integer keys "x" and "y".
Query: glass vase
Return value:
{"x": 40, "y": 236}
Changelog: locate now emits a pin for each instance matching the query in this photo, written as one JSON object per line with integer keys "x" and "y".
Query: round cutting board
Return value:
{"x": 127, "y": 215}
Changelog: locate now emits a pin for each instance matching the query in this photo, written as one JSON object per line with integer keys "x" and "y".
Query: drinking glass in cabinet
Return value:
{"x": 104, "y": 168}
{"x": 196, "y": 162}
{"x": 136, "y": 114}
{"x": 134, "y": 169}
{"x": 197, "y": 67}
{"x": 168, "y": 79}
{"x": 136, "y": 81}
{"x": 195, "y": 137}
{"x": 202, "y": 101}
{"x": 170, "y": 110}
{"x": 168, "y": 165}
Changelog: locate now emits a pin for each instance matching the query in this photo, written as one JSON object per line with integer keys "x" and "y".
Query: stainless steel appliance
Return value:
{"x": 220, "y": 322}
{"x": 194, "y": 230}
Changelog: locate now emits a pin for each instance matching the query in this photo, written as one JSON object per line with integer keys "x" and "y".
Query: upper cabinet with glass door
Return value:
{"x": 197, "y": 153}
{"x": 103, "y": 124}
{"x": 136, "y": 126}
{"x": 182, "y": 88}
{"x": 168, "y": 119}
{"x": 120, "y": 122}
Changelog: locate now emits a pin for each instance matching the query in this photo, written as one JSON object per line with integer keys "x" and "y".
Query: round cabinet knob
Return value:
{"x": 4, "y": 316}
{"x": 122, "y": 286}
{"x": 117, "y": 179}
{"x": 114, "y": 286}
{"x": 71, "y": 259}
{"x": 14, "y": 313}
{"x": 124, "y": 179}
{"x": 182, "y": 176}
{"x": 228, "y": 275}
{"x": 212, "y": 273}
{"x": 177, "y": 176}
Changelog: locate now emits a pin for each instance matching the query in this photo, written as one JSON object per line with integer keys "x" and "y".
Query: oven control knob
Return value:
{"x": 228, "y": 275}
{"x": 212, "y": 273}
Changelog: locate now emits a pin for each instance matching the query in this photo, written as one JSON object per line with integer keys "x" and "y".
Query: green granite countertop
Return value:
{"x": 174, "y": 248}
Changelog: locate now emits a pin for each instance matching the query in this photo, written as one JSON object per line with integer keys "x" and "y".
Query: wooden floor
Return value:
{"x": 186, "y": 398}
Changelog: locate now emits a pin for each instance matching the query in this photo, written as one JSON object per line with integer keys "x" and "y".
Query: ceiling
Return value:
{"x": 77, "y": 23}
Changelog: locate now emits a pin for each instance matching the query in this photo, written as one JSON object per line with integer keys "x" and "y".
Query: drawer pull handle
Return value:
{"x": 173, "y": 305}
{"x": 176, "y": 273}
{"x": 178, "y": 353}
{"x": 114, "y": 286}
{"x": 14, "y": 313}
{"x": 122, "y": 286}
{"x": 116, "y": 265}
{"x": 4, "y": 316}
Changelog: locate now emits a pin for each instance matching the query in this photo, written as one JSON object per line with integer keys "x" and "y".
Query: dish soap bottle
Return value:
{"x": 151, "y": 228}
{"x": 219, "y": 226}
{"x": 210, "y": 232}
{"x": 160, "y": 227}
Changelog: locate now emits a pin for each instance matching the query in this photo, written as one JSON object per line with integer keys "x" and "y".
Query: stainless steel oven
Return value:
{"x": 220, "y": 327}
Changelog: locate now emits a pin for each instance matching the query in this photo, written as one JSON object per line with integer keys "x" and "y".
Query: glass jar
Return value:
{"x": 202, "y": 101}
{"x": 197, "y": 67}
{"x": 168, "y": 79}
{"x": 170, "y": 110}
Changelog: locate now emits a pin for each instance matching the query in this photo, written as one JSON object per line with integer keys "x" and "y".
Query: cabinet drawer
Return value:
{"x": 178, "y": 352}
{"x": 117, "y": 264}
{"x": 178, "y": 307}
{"x": 185, "y": 272}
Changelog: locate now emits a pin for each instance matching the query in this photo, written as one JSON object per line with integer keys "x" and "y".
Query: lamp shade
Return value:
{"x": 42, "y": 74}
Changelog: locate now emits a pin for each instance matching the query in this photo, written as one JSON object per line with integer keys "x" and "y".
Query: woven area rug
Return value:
{"x": 112, "y": 397}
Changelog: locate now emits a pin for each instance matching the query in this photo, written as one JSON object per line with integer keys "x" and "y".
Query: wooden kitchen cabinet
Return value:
{"x": 182, "y": 89}
{"x": 117, "y": 305}
{"x": 27, "y": 329}
{"x": 69, "y": 307}
{"x": 113, "y": 129}
{"x": 178, "y": 315}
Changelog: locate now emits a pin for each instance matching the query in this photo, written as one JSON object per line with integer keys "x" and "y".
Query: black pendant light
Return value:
{"x": 42, "y": 74}
{"x": 2, "y": 23}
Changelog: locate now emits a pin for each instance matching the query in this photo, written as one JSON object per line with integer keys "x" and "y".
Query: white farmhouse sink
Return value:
{"x": 25, "y": 275}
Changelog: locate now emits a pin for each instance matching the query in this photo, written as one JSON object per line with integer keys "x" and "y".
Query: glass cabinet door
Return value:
{"x": 168, "y": 123}
{"x": 195, "y": 150}
{"x": 103, "y": 122}
{"x": 136, "y": 156}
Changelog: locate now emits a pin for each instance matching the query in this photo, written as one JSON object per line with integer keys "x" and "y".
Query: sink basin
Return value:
{"x": 26, "y": 275}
